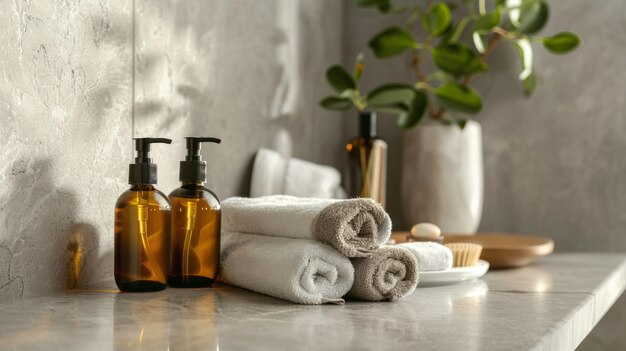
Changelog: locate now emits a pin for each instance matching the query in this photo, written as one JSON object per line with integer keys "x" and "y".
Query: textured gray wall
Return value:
{"x": 216, "y": 68}
{"x": 554, "y": 162}
{"x": 65, "y": 120}
{"x": 225, "y": 69}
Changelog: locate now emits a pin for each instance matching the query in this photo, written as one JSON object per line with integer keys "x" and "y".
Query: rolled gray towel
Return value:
{"x": 390, "y": 274}
{"x": 355, "y": 227}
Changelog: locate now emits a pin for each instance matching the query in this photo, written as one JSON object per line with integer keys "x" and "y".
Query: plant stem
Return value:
{"x": 506, "y": 34}
{"x": 459, "y": 29}
{"x": 416, "y": 13}
{"x": 483, "y": 57}
{"x": 421, "y": 78}
{"x": 358, "y": 101}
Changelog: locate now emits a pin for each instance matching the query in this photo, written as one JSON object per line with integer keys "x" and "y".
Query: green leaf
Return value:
{"x": 530, "y": 83}
{"x": 513, "y": 6}
{"x": 415, "y": 114}
{"x": 437, "y": 19}
{"x": 461, "y": 123}
{"x": 561, "y": 43}
{"x": 384, "y": 7}
{"x": 459, "y": 98}
{"x": 525, "y": 53}
{"x": 390, "y": 42}
{"x": 485, "y": 23}
{"x": 339, "y": 78}
{"x": 394, "y": 109}
{"x": 480, "y": 42}
{"x": 389, "y": 94}
{"x": 441, "y": 76}
{"x": 447, "y": 34}
{"x": 336, "y": 103}
{"x": 369, "y": 3}
{"x": 457, "y": 59}
{"x": 533, "y": 16}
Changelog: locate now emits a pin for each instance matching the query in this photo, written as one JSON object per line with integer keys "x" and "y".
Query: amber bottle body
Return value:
{"x": 367, "y": 168}
{"x": 195, "y": 239}
{"x": 366, "y": 174}
{"x": 142, "y": 238}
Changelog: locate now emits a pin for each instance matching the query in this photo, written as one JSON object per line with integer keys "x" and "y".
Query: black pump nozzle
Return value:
{"x": 367, "y": 124}
{"x": 193, "y": 169}
{"x": 143, "y": 171}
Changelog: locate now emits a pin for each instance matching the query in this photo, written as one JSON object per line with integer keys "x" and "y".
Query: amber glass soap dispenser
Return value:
{"x": 196, "y": 224}
{"x": 142, "y": 226}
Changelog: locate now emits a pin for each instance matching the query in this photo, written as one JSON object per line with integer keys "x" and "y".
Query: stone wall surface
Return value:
{"x": 554, "y": 161}
{"x": 249, "y": 72}
{"x": 65, "y": 124}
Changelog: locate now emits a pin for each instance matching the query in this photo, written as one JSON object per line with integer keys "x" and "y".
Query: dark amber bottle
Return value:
{"x": 196, "y": 224}
{"x": 142, "y": 227}
{"x": 367, "y": 162}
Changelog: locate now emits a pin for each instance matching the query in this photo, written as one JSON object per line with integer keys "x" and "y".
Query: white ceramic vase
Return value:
{"x": 442, "y": 176}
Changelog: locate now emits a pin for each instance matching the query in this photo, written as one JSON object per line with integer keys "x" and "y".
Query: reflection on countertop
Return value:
{"x": 512, "y": 309}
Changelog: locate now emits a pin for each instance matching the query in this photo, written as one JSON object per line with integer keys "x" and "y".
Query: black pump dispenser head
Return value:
{"x": 367, "y": 124}
{"x": 193, "y": 169}
{"x": 143, "y": 171}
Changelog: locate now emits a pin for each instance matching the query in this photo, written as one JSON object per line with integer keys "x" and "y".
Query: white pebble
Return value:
{"x": 425, "y": 231}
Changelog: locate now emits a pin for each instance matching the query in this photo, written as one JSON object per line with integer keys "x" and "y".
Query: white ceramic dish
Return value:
{"x": 453, "y": 275}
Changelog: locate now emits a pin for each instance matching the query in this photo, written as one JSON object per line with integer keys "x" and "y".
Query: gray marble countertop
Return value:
{"x": 552, "y": 304}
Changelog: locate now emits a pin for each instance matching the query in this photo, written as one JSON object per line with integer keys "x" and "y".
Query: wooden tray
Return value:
{"x": 500, "y": 250}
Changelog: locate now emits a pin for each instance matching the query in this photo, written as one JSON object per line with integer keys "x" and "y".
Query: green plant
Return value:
{"x": 403, "y": 100}
{"x": 430, "y": 31}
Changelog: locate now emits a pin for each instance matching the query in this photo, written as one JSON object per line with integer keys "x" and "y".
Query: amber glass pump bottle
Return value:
{"x": 367, "y": 161}
{"x": 142, "y": 226}
{"x": 196, "y": 224}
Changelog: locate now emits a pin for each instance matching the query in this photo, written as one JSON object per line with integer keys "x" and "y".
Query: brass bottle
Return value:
{"x": 367, "y": 162}
{"x": 142, "y": 227}
{"x": 196, "y": 224}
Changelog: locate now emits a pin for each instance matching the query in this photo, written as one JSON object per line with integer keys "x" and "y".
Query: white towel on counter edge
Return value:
{"x": 431, "y": 256}
{"x": 273, "y": 174}
{"x": 278, "y": 215}
{"x": 300, "y": 271}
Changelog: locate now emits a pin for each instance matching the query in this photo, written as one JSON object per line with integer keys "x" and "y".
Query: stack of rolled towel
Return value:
{"x": 313, "y": 251}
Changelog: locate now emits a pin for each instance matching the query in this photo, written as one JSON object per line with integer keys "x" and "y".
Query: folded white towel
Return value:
{"x": 273, "y": 174}
{"x": 301, "y": 271}
{"x": 355, "y": 227}
{"x": 431, "y": 256}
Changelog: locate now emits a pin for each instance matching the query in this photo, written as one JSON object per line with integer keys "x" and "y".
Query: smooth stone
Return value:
{"x": 425, "y": 231}
{"x": 550, "y": 305}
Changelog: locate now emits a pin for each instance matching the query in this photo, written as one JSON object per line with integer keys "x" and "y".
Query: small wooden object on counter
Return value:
{"x": 499, "y": 249}
{"x": 465, "y": 254}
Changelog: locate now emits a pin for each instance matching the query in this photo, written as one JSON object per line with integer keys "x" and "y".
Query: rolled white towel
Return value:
{"x": 301, "y": 271}
{"x": 430, "y": 256}
{"x": 273, "y": 174}
{"x": 355, "y": 227}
